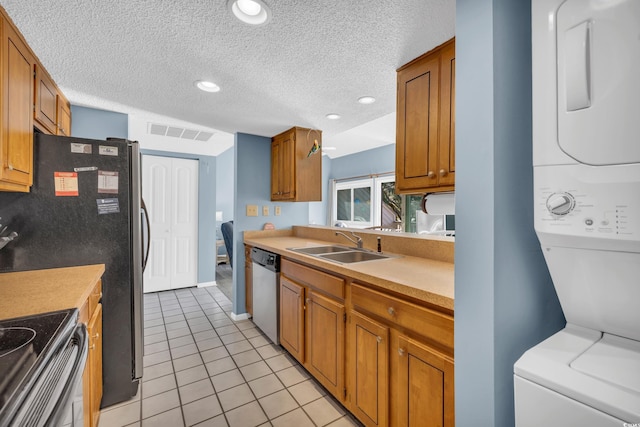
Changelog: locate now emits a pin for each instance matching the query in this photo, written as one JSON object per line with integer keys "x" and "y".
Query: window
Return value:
{"x": 353, "y": 203}
{"x": 373, "y": 202}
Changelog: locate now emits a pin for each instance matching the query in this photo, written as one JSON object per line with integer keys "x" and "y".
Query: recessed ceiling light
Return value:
{"x": 366, "y": 100}
{"x": 333, "y": 116}
{"x": 207, "y": 86}
{"x": 252, "y": 12}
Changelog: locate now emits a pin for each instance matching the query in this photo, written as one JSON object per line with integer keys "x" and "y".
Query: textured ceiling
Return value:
{"x": 312, "y": 58}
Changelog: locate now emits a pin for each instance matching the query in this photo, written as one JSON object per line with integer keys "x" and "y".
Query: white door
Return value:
{"x": 170, "y": 190}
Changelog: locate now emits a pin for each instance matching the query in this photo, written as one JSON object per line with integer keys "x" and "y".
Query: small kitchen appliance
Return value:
{"x": 586, "y": 155}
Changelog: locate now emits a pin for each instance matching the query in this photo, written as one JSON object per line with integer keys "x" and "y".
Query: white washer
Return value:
{"x": 586, "y": 154}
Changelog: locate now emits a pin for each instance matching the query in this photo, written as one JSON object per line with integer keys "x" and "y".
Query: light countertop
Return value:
{"x": 420, "y": 278}
{"x": 40, "y": 291}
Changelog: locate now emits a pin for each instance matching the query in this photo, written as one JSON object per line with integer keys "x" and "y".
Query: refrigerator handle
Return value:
{"x": 146, "y": 245}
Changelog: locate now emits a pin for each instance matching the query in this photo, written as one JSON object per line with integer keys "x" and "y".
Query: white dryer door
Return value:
{"x": 598, "y": 81}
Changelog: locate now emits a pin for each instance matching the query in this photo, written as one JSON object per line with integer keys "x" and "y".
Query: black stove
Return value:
{"x": 26, "y": 345}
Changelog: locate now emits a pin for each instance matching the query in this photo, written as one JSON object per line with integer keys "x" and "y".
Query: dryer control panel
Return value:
{"x": 587, "y": 201}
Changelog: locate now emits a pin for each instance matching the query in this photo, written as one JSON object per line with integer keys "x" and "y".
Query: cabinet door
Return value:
{"x": 94, "y": 329}
{"x": 447, "y": 144}
{"x": 368, "y": 370}
{"x": 292, "y": 318}
{"x": 425, "y": 386}
{"x": 417, "y": 125}
{"x": 283, "y": 166}
{"x": 64, "y": 116}
{"x": 325, "y": 342}
{"x": 46, "y": 109}
{"x": 276, "y": 168}
{"x": 16, "y": 140}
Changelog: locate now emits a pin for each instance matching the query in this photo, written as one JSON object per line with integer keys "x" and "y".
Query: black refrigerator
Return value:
{"x": 85, "y": 207}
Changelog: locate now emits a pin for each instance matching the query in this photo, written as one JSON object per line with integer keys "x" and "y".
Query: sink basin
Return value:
{"x": 314, "y": 250}
{"x": 353, "y": 256}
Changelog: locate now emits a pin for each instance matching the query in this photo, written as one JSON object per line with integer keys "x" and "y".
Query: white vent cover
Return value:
{"x": 177, "y": 132}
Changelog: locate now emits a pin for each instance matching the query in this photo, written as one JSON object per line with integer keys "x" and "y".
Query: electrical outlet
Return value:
{"x": 265, "y": 211}
{"x": 252, "y": 210}
{"x": 277, "y": 210}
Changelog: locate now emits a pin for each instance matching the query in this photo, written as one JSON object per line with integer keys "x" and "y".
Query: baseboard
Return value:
{"x": 237, "y": 317}
{"x": 207, "y": 284}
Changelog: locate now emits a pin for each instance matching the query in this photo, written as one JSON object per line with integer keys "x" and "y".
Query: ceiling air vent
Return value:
{"x": 176, "y": 132}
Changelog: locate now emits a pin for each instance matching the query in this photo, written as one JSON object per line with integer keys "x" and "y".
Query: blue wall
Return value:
{"x": 225, "y": 184}
{"x": 253, "y": 186}
{"x": 318, "y": 210}
{"x": 504, "y": 298}
{"x": 374, "y": 161}
{"x": 206, "y": 212}
{"x": 98, "y": 124}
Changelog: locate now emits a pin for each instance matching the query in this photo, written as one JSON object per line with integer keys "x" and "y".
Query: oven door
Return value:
{"x": 53, "y": 399}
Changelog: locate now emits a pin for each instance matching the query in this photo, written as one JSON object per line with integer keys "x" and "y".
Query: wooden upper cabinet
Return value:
{"x": 28, "y": 98}
{"x": 425, "y": 126}
{"x": 16, "y": 124}
{"x": 52, "y": 112}
{"x": 46, "y": 97}
{"x": 64, "y": 115}
{"x": 296, "y": 176}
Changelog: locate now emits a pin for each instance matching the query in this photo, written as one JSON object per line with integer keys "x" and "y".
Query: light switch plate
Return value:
{"x": 252, "y": 210}
{"x": 265, "y": 211}
{"x": 277, "y": 210}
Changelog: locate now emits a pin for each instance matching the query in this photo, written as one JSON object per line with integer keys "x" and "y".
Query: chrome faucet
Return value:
{"x": 358, "y": 240}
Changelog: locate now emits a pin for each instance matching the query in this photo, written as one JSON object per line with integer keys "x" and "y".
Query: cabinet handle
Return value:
{"x": 92, "y": 347}
{"x": 431, "y": 174}
{"x": 443, "y": 172}
{"x": 391, "y": 311}
{"x": 308, "y": 300}
{"x": 10, "y": 167}
{"x": 401, "y": 351}
{"x": 96, "y": 336}
{"x": 379, "y": 339}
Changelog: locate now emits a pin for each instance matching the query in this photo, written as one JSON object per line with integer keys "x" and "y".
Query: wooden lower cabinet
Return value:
{"x": 401, "y": 366}
{"x": 424, "y": 386}
{"x": 91, "y": 315}
{"x": 292, "y": 318}
{"x": 389, "y": 361}
{"x": 94, "y": 362}
{"x": 368, "y": 387}
{"x": 325, "y": 342}
{"x": 312, "y": 323}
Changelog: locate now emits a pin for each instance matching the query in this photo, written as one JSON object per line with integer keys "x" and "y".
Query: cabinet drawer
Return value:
{"x": 324, "y": 282}
{"x": 429, "y": 323}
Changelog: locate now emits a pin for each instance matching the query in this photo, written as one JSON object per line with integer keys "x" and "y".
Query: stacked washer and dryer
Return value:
{"x": 586, "y": 154}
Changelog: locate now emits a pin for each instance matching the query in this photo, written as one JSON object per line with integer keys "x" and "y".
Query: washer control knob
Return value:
{"x": 560, "y": 203}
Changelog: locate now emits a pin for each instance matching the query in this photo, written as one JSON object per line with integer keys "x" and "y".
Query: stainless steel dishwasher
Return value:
{"x": 266, "y": 293}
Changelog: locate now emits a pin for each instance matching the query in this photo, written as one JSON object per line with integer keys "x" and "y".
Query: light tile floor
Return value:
{"x": 203, "y": 369}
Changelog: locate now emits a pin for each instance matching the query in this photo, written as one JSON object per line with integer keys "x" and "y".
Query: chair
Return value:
{"x": 227, "y": 234}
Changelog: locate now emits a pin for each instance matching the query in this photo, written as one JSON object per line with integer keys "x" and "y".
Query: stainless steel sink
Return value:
{"x": 341, "y": 254}
{"x": 353, "y": 256}
{"x": 315, "y": 250}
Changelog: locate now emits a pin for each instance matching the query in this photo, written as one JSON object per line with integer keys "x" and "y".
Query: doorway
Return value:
{"x": 170, "y": 189}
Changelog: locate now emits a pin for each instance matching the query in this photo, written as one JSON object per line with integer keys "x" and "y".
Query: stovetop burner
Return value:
{"x": 25, "y": 344}
{"x": 13, "y": 339}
